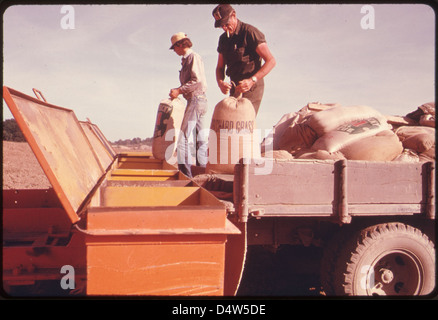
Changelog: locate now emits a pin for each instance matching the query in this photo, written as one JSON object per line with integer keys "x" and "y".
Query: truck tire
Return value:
{"x": 329, "y": 258}
{"x": 391, "y": 259}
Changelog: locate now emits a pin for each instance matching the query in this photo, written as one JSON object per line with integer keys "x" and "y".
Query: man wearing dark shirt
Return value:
{"x": 241, "y": 49}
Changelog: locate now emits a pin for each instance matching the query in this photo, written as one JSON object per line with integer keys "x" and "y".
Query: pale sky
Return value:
{"x": 115, "y": 66}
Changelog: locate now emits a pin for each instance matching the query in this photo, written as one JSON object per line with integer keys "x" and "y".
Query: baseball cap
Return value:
{"x": 221, "y": 14}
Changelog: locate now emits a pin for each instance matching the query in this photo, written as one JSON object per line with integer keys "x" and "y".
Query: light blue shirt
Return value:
{"x": 192, "y": 75}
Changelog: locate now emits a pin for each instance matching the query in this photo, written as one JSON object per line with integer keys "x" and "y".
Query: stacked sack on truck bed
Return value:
{"x": 330, "y": 131}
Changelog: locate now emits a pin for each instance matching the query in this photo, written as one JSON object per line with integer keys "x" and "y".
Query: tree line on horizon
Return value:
{"x": 134, "y": 141}
{"x": 12, "y": 132}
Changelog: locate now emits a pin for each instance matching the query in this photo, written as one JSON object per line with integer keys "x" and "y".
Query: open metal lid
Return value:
{"x": 100, "y": 144}
{"x": 59, "y": 142}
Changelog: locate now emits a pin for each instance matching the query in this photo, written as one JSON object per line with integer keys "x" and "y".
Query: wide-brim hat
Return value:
{"x": 177, "y": 37}
{"x": 221, "y": 14}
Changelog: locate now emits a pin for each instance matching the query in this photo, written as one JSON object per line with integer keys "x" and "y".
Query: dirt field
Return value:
{"x": 21, "y": 169}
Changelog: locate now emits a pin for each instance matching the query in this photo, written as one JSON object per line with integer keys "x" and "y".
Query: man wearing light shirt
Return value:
{"x": 193, "y": 139}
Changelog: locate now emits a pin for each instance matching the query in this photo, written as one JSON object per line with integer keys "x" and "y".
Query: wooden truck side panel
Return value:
{"x": 339, "y": 189}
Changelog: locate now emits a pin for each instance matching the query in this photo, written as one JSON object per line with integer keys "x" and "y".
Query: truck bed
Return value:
{"x": 340, "y": 189}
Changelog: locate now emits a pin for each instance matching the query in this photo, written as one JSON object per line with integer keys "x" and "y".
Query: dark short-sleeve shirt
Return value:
{"x": 239, "y": 51}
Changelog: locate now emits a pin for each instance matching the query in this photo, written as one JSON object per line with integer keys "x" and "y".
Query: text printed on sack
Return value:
{"x": 232, "y": 125}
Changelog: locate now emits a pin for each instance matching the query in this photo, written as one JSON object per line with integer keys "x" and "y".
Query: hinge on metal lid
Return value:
{"x": 38, "y": 94}
{"x": 257, "y": 212}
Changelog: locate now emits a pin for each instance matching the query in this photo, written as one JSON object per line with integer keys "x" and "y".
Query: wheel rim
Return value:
{"x": 396, "y": 272}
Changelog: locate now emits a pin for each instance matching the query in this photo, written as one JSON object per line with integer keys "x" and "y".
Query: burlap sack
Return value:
{"x": 417, "y": 138}
{"x": 277, "y": 154}
{"x": 329, "y": 120}
{"x": 167, "y": 128}
{"x": 428, "y": 108}
{"x": 272, "y": 141}
{"x": 232, "y": 135}
{"x": 408, "y": 156}
{"x": 427, "y": 120}
{"x": 408, "y": 131}
{"x": 428, "y": 155}
{"x": 381, "y": 147}
{"x": 420, "y": 142}
{"x": 296, "y": 137}
{"x": 349, "y": 133}
{"x": 424, "y": 109}
{"x": 320, "y": 155}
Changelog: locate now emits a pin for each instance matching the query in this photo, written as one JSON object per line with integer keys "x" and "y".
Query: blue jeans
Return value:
{"x": 192, "y": 145}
